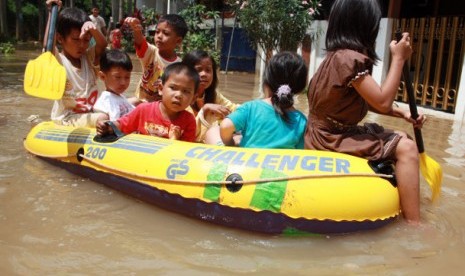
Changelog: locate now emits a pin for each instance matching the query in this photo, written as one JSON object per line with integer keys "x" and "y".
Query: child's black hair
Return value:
{"x": 354, "y": 24}
{"x": 115, "y": 58}
{"x": 177, "y": 22}
{"x": 177, "y": 68}
{"x": 192, "y": 59}
{"x": 285, "y": 75}
{"x": 69, "y": 19}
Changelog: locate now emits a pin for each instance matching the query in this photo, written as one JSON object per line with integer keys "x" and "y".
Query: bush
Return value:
{"x": 7, "y": 48}
{"x": 276, "y": 24}
{"x": 200, "y": 35}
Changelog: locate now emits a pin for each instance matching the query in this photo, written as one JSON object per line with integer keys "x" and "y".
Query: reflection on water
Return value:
{"x": 54, "y": 222}
{"x": 456, "y": 142}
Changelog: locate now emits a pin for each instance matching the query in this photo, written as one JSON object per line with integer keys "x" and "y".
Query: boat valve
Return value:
{"x": 79, "y": 154}
{"x": 234, "y": 186}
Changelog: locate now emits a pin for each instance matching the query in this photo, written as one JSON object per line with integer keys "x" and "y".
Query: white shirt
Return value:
{"x": 114, "y": 105}
{"x": 81, "y": 89}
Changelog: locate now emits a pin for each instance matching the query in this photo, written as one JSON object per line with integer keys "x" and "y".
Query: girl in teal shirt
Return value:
{"x": 272, "y": 122}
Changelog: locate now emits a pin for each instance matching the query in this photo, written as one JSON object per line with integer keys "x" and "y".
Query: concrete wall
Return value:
{"x": 162, "y": 6}
{"x": 460, "y": 106}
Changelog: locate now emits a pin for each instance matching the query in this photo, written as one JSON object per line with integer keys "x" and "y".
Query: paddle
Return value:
{"x": 430, "y": 169}
{"x": 44, "y": 76}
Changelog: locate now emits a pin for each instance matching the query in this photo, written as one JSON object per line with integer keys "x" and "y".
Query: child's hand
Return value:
{"x": 174, "y": 132}
{"x": 216, "y": 110}
{"x": 402, "y": 49}
{"x": 49, "y": 3}
{"x": 86, "y": 28}
{"x": 134, "y": 23}
{"x": 418, "y": 123}
{"x": 102, "y": 128}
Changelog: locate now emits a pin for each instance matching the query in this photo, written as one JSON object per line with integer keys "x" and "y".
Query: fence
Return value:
{"x": 436, "y": 62}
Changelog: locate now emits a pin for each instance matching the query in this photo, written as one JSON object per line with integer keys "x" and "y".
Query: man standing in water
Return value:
{"x": 98, "y": 20}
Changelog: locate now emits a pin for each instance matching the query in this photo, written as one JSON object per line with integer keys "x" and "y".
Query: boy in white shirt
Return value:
{"x": 115, "y": 72}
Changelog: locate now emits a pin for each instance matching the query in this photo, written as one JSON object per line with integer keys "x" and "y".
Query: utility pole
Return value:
{"x": 3, "y": 21}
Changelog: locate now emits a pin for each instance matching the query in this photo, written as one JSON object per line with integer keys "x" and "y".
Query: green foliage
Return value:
{"x": 150, "y": 16}
{"x": 276, "y": 24}
{"x": 7, "y": 48}
{"x": 128, "y": 44}
{"x": 200, "y": 35}
{"x": 30, "y": 10}
{"x": 149, "y": 21}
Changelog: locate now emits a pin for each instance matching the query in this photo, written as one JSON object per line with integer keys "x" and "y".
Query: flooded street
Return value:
{"x": 53, "y": 222}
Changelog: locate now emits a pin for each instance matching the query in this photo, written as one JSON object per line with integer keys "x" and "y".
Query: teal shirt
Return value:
{"x": 263, "y": 127}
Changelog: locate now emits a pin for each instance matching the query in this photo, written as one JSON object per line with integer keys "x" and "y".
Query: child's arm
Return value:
{"x": 227, "y": 129}
{"x": 217, "y": 110}
{"x": 136, "y": 27}
{"x": 222, "y": 100}
{"x": 381, "y": 97}
{"x": 397, "y": 111}
{"x": 100, "y": 41}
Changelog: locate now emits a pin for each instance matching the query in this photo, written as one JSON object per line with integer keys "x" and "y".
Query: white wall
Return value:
{"x": 460, "y": 105}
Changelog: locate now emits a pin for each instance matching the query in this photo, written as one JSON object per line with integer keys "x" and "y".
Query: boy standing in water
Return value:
{"x": 98, "y": 21}
{"x": 171, "y": 30}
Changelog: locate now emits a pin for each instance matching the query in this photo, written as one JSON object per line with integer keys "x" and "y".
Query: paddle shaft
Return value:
{"x": 411, "y": 100}
{"x": 51, "y": 28}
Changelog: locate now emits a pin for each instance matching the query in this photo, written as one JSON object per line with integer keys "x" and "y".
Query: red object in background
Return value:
{"x": 115, "y": 38}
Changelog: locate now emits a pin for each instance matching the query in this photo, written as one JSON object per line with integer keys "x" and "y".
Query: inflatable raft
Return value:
{"x": 271, "y": 191}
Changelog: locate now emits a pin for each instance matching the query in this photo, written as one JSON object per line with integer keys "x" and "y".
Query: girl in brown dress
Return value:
{"x": 342, "y": 91}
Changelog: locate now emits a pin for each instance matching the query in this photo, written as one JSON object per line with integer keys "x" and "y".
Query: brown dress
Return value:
{"x": 335, "y": 109}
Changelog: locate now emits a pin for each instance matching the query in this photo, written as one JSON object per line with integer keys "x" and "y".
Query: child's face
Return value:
{"x": 177, "y": 93}
{"x": 166, "y": 39}
{"x": 116, "y": 80}
{"x": 205, "y": 69}
{"x": 74, "y": 46}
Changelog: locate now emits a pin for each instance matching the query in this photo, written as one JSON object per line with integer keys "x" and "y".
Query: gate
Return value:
{"x": 436, "y": 62}
{"x": 242, "y": 56}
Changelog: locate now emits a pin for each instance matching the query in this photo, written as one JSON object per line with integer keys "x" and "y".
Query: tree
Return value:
{"x": 19, "y": 19}
{"x": 275, "y": 24}
{"x": 3, "y": 21}
{"x": 198, "y": 37}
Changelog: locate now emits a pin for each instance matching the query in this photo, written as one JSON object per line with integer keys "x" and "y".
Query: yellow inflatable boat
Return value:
{"x": 272, "y": 191}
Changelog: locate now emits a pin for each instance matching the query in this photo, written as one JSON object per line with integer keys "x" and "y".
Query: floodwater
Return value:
{"x": 53, "y": 222}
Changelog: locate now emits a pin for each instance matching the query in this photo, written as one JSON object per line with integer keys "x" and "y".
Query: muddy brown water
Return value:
{"x": 53, "y": 222}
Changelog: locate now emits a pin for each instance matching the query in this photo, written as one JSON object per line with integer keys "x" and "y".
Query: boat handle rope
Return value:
{"x": 228, "y": 182}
